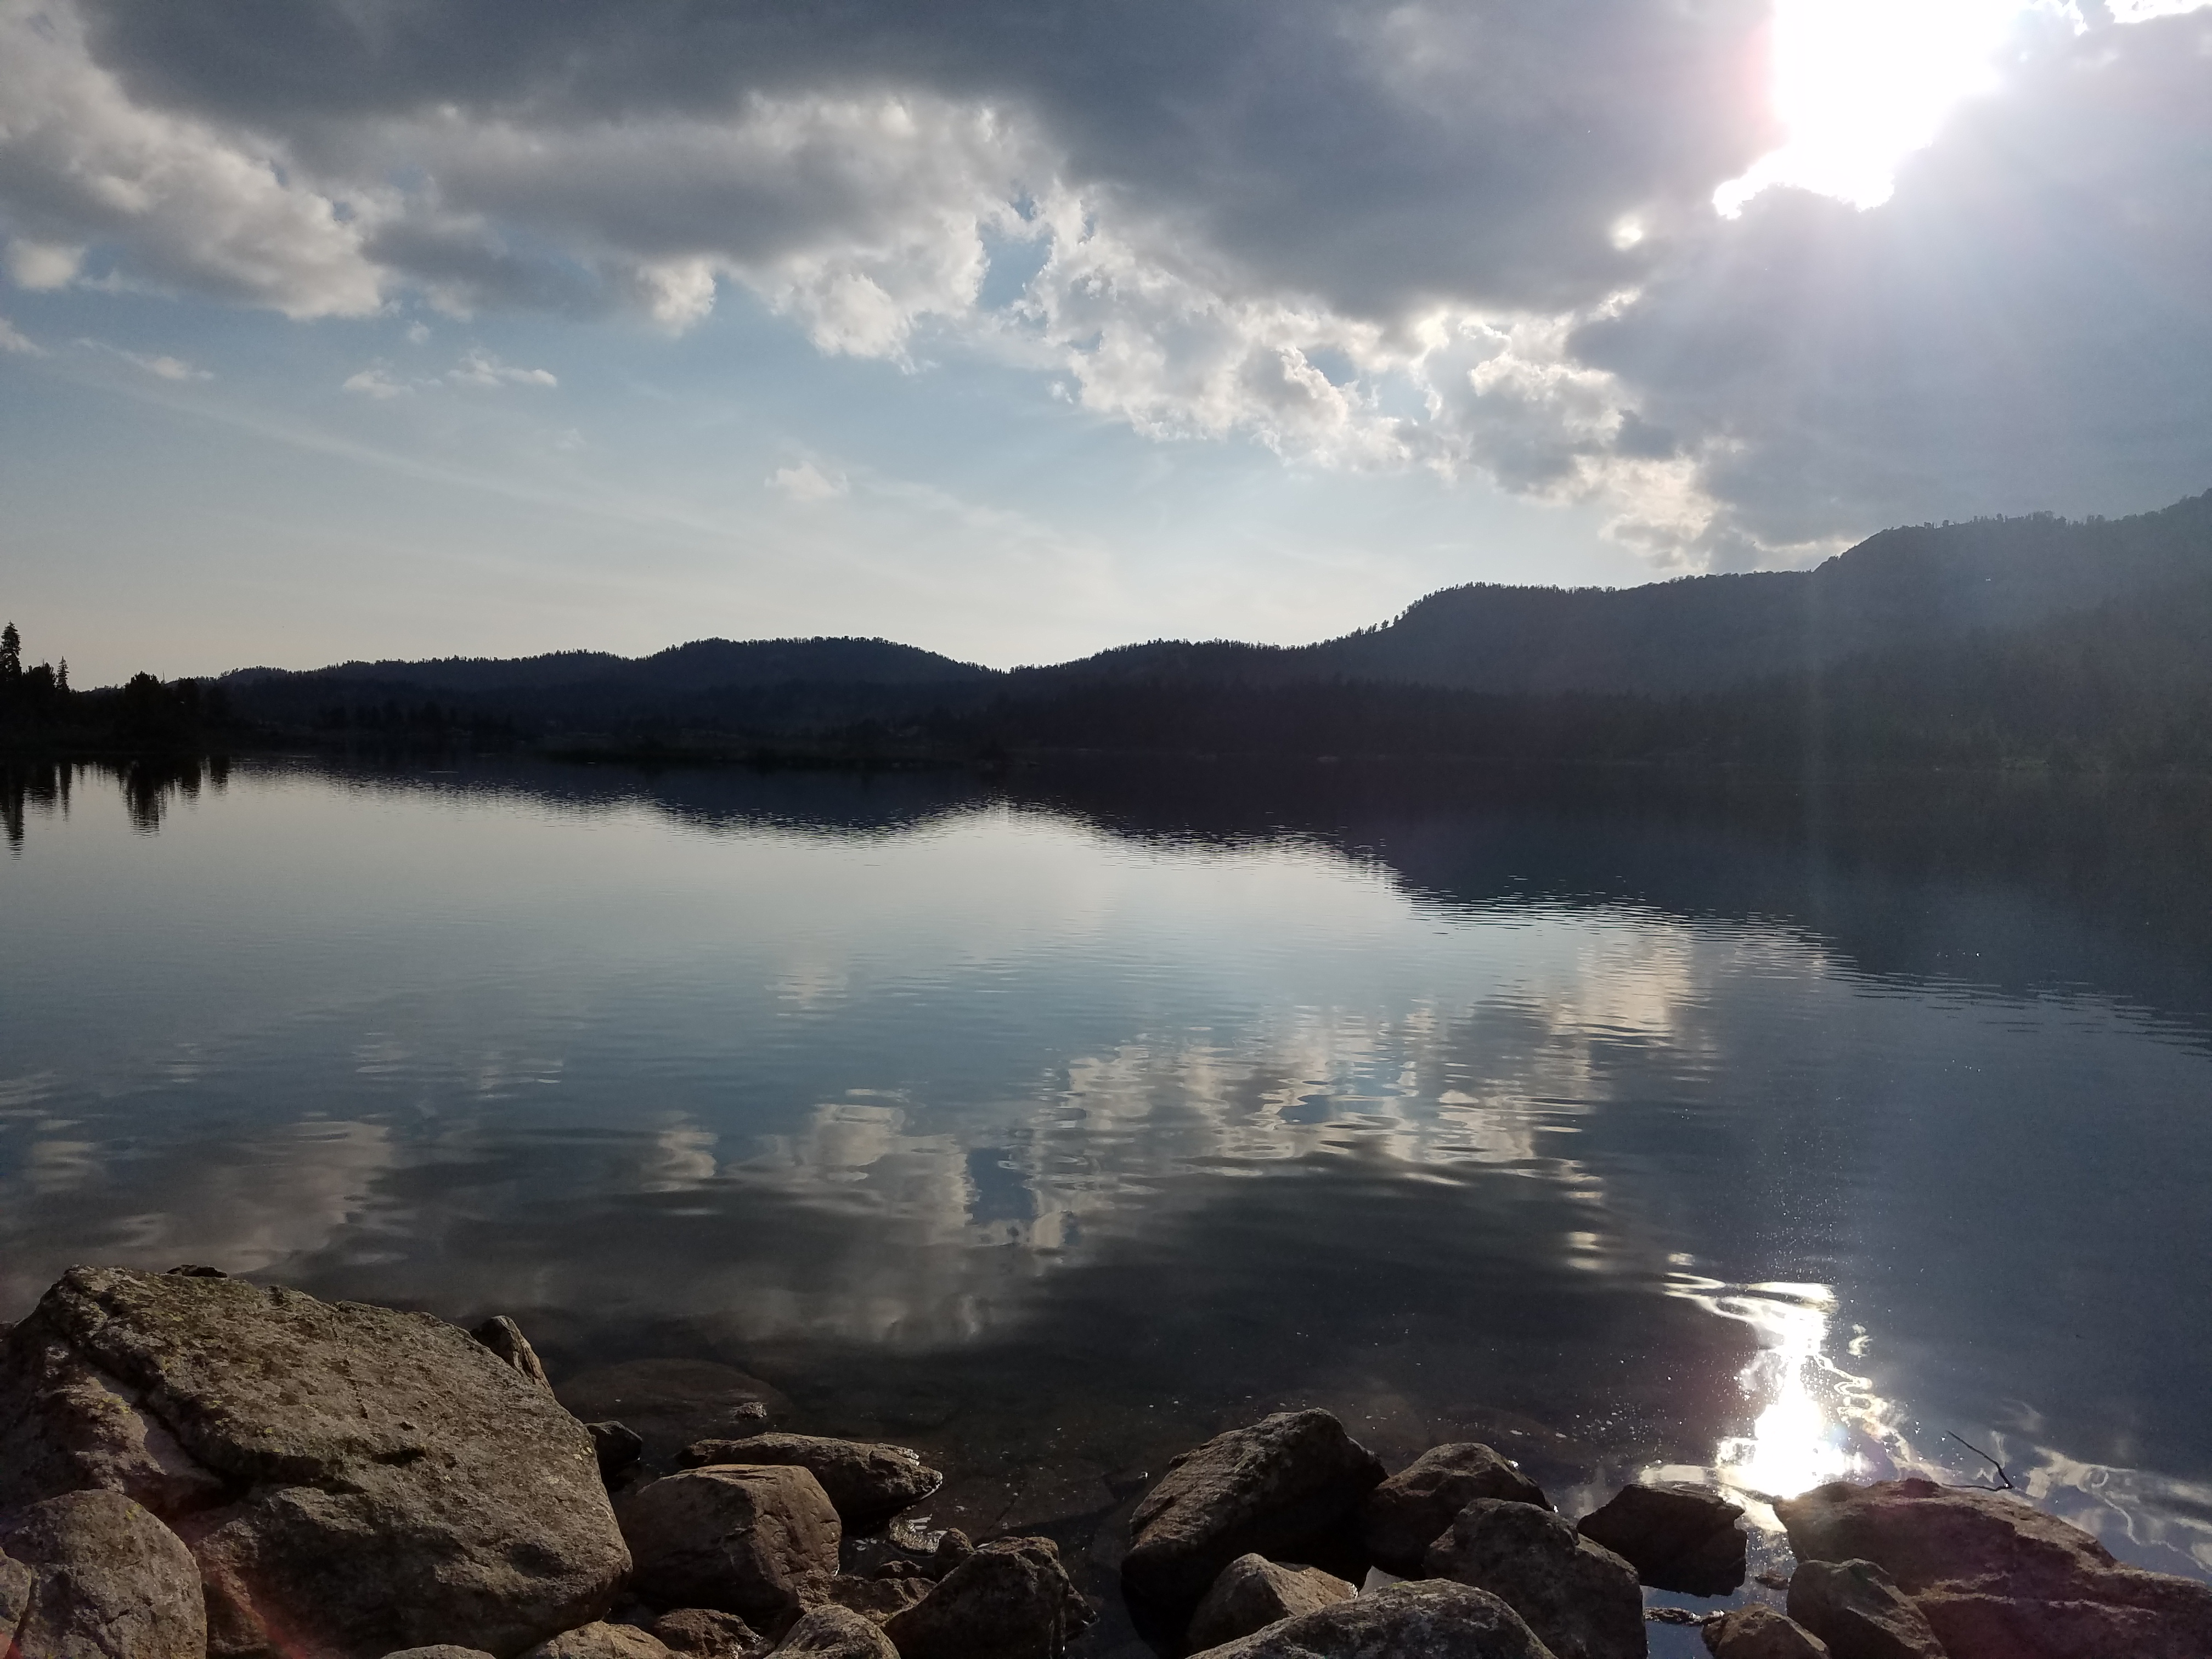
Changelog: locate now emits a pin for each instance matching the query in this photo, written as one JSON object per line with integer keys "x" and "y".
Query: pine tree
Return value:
{"x": 11, "y": 654}
{"x": 61, "y": 676}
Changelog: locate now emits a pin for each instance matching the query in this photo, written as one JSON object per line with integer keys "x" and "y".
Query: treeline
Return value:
{"x": 41, "y": 711}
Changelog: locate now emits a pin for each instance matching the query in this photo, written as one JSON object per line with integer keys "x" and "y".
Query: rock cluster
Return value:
{"x": 193, "y": 1466}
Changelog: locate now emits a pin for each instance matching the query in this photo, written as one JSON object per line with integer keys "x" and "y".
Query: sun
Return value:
{"x": 1858, "y": 85}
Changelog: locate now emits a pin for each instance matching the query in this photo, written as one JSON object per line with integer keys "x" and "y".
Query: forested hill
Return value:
{"x": 1899, "y": 589}
{"x": 2003, "y": 639}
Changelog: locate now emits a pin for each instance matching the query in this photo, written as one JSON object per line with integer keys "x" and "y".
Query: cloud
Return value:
{"x": 160, "y": 365}
{"x": 13, "y": 340}
{"x": 376, "y": 383}
{"x": 1367, "y": 233}
{"x": 803, "y": 481}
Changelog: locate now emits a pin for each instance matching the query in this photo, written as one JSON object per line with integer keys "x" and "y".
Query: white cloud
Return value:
{"x": 478, "y": 368}
{"x": 160, "y": 365}
{"x": 375, "y": 383}
{"x": 38, "y": 265}
{"x": 803, "y": 481}
{"x": 13, "y": 339}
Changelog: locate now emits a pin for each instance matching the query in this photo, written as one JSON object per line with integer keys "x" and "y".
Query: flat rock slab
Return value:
{"x": 1998, "y": 1578}
{"x": 1581, "y": 1599}
{"x": 1436, "y": 1619}
{"x": 1856, "y": 1608}
{"x": 670, "y": 1403}
{"x": 1414, "y": 1507}
{"x": 1254, "y": 1593}
{"x": 1010, "y": 1598}
{"x": 600, "y": 1641}
{"x": 834, "y": 1632}
{"x": 867, "y": 1482}
{"x": 439, "y": 1650}
{"x": 1678, "y": 1537}
{"x": 759, "y": 1540}
{"x": 1272, "y": 1489}
{"x": 1758, "y": 1632}
{"x": 352, "y": 1480}
{"x": 97, "y": 1576}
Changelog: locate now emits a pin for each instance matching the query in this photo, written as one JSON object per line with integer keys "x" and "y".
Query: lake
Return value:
{"x": 1758, "y": 1133}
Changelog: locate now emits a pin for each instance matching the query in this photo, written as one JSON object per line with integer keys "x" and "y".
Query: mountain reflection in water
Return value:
{"x": 1746, "y": 1133}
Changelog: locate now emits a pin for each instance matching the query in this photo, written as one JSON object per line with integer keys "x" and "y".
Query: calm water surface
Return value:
{"x": 1053, "y": 1125}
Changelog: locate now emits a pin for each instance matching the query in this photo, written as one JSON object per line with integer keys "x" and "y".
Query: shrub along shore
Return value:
{"x": 193, "y": 1465}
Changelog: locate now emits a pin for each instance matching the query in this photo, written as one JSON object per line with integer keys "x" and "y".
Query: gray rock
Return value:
{"x": 1678, "y": 1537}
{"x": 834, "y": 1632}
{"x": 670, "y": 1403}
{"x": 1410, "y": 1511}
{"x": 1437, "y": 1620}
{"x": 1010, "y": 1599}
{"x": 760, "y": 1540}
{"x": 504, "y": 1338}
{"x": 352, "y": 1480}
{"x": 705, "y": 1633}
{"x": 869, "y": 1483}
{"x": 1997, "y": 1579}
{"x": 617, "y": 1447}
{"x": 1273, "y": 1488}
{"x": 1859, "y": 1613}
{"x": 1580, "y": 1598}
{"x": 1757, "y": 1632}
{"x": 1254, "y": 1593}
{"x": 436, "y": 1649}
{"x": 100, "y": 1577}
{"x": 600, "y": 1641}
{"x": 15, "y": 1581}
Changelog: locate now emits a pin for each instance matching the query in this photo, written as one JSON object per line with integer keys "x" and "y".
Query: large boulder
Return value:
{"x": 1438, "y": 1620}
{"x": 96, "y": 1576}
{"x": 1254, "y": 1593}
{"x": 1010, "y": 1599}
{"x": 1997, "y": 1579}
{"x": 1757, "y": 1632}
{"x": 1580, "y": 1598}
{"x": 1273, "y": 1488}
{"x": 1678, "y": 1537}
{"x": 759, "y": 1540}
{"x": 352, "y": 1480}
{"x": 600, "y": 1641}
{"x": 834, "y": 1632}
{"x": 1410, "y": 1511}
{"x": 868, "y": 1482}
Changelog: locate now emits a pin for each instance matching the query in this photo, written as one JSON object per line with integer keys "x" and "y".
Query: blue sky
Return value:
{"x": 380, "y": 329}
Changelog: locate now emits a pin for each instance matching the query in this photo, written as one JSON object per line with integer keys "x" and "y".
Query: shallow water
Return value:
{"x": 1053, "y": 1123}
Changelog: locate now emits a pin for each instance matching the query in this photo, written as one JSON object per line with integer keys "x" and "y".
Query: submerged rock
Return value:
{"x": 1580, "y": 1598}
{"x": 600, "y": 1641}
{"x": 436, "y": 1649}
{"x": 352, "y": 1480}
{"x": 1273, "y": 1488}
{"x": 1254, "y": 1593}
{"x": 753, "y": 1540}
{"x": 1758, "y": 1632}
{"x": 1010, "y": 1599}
{"x": 1411, "y": 1511}
{"x": 868, "y": 1482}
{"x": 834, "y": 1632}
{"x": 670, "y": 1403}
{"x": 1436, "y": 1619}
{"x": 1859, "y": 1613}
{"x": 708, "y": 1633}
{"x": 617, "y": 1447}
{"x": 1997, "y": 1579}
{"x": 95, "y": 1576}
{"x": 1678, "y": 1537}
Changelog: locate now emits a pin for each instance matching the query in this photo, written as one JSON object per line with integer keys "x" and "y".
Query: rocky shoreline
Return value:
{"x": 195, "y": 1467}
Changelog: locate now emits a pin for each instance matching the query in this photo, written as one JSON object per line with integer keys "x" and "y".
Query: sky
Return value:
{"x": 1017, "y": 329}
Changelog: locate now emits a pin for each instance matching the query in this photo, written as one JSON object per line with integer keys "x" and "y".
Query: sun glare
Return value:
{"x": 1858, "y": 85}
